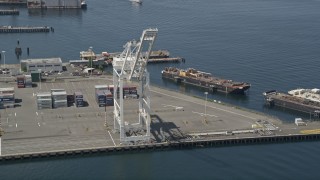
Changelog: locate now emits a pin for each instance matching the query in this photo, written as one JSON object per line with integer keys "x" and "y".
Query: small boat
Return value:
{"x": 136, "y": 1}
{"x": 83, "y": 5}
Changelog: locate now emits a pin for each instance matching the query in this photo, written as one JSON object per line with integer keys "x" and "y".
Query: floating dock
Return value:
{"x": 166, "y": 60}
{"x": 9, "y": 12}
{"x": 25, "y": 29}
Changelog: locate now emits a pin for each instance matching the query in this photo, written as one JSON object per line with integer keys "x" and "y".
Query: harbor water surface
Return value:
{"x": 270, "y": 44}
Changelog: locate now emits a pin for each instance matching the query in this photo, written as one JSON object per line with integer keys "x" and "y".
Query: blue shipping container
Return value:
{"x": 6, "y": 99}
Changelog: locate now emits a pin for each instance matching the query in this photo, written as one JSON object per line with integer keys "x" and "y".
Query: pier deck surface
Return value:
{"x": 29, "y": 130}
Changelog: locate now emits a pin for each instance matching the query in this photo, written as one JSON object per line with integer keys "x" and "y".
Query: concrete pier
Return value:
{"x": 14, "y": 2}
{"x": 163, "y": 146}
{"x": 178, "y": 121}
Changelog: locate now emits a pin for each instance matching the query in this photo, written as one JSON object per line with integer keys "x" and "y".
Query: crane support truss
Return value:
{"x": 130, "y": 66}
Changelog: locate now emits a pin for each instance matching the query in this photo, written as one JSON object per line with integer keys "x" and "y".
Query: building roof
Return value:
{"x": 42, "y": 61}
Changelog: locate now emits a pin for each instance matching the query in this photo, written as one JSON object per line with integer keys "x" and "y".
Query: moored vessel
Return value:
{"x": 302, "y": 100}
{"x": 83, "y": 4}
{"x": 136, "y": 1}
{"x": 205, "y": 80}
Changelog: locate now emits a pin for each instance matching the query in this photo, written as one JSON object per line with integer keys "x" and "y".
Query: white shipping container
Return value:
{"x": 45, "y": 95}
{"x": 8, "y": 90}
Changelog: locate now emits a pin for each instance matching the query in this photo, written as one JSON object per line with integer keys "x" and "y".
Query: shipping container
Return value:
{"x": 70, "y": 99}
{"x": 61, "y": 95}
{"x": 100, "y": 87}
{"x": 78, "y": 95}
{"x": 126, "y": 90}
{"x": 60, "y": 104}
{"x": 35, "y": 76}
{"x": 100, "y": 98}
{"x": 58, "y": 90}
{"x": 28, "y": 81}
{"x": 7, "y": 97}
{"x": 79, "y": 103}
{"x": 44, "y": 95}
{"x": 7, "y": 100}
{"x": 109, "y": 97}
{"x": 21, "y": 80}
{"x": 8, "y": 90}
{"x": 44, "y": 100}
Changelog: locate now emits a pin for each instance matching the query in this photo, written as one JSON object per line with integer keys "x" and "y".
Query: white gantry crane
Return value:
{"x": 130, "y": 66}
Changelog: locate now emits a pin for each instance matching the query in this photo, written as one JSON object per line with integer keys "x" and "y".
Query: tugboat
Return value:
{"x": 83, "y": 4}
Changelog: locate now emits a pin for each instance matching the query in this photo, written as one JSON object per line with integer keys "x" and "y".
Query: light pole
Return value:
{"x": 4, "y": 59}
{"x": 91, "y": 54}
{"x": 205, "y": 106}
{"x": 39, "y": 71}
{"x": 105, "y": 115}
{"x": 1, "y": 132}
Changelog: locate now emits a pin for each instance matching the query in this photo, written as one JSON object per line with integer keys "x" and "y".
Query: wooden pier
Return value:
{"x": 24, "y": 29}
{"x": 9, "y": 12}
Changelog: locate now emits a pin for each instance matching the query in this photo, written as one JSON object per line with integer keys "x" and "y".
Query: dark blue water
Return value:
{"x": 278, "y": 161}
{"x": 273, "y": 44}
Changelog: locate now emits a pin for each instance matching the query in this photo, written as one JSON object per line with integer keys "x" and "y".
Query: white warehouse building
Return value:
{"x": 45, "y": 64}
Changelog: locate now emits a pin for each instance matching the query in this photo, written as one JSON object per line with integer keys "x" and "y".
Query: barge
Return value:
{"x": 205, "y": 80}
{"x": 302, "y": 100}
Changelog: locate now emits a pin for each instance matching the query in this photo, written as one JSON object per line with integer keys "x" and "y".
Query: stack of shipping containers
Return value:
{"x": 24, "y": 81}
{"x": 109, "y": 97}
{"x": 59, "y": 99}
{"x": 7, "y": 97}
{"x": 28, "y": 81}
{"x": 21, "y": 81}
{"x": 100, "y": 98}
{"x": 100, "y": 95}
{"x": 44, "y": 100}
{"x": 78, "y": 99}
{"x": 130, "y": 92}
